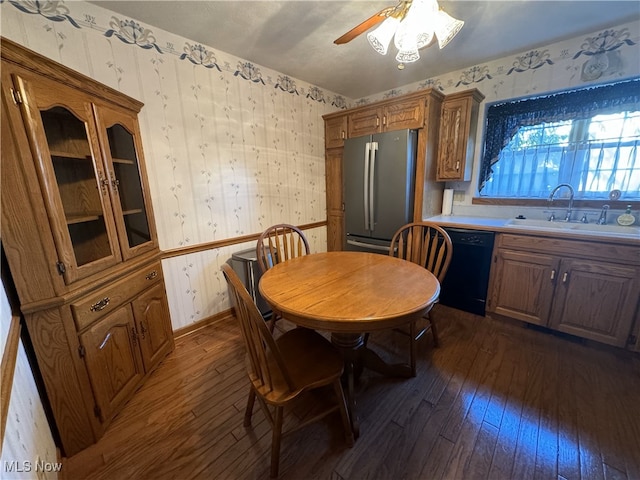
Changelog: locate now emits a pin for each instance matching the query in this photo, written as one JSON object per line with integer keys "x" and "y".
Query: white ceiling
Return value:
{"x": 296, "y": 37}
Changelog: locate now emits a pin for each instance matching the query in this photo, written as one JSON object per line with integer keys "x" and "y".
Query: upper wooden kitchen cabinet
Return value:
{"x": 584, "y": 288}
{"x": 80, "y": 240}
{"x": 401, "y": 113}
{"x": 457, "y": 142}
{"x": 335, "y": 131}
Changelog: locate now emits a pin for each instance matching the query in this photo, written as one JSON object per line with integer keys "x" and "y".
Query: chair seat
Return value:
{"x": 300, "y": 348}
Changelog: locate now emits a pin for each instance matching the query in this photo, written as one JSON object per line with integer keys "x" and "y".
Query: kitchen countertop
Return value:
{"x": 501, "y": 225}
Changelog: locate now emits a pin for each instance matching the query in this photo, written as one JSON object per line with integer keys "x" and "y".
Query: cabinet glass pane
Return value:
{"x": 77, "y": 183}
{"x": 125, "y": 162}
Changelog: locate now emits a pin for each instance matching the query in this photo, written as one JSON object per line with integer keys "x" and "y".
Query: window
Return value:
{"x": 588, "y": 138}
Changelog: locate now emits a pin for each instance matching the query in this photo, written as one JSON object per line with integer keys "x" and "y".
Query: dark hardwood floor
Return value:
{"x": 496, "y": 400}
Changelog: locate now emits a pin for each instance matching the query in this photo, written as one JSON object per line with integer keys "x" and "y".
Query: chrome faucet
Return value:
{"x": 603, "y": 215}
{"x": 553, "y": 192}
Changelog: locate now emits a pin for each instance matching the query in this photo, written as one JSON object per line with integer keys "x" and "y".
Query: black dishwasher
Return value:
{"x": 467, "y": 280}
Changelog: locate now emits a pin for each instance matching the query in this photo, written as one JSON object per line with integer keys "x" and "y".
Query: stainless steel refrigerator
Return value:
{"x": 378, "y": 188}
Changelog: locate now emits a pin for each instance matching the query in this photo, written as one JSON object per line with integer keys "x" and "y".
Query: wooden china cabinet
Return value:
{"x": 80, "y": 239}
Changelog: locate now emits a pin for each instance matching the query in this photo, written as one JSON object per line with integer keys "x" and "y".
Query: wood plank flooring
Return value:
{"x": 496, "y": 400}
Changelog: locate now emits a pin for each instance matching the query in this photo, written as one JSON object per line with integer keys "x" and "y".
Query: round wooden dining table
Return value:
{"x": 349, "y": 294}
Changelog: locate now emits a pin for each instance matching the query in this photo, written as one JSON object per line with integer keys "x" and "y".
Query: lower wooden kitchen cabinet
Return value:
{"x": 584, "y": 288}
{"x": 523, "y": 284}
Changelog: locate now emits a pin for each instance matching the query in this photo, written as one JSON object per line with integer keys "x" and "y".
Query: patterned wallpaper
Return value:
{"x": 600, "y": 57}
{"x": 231, "y": 147}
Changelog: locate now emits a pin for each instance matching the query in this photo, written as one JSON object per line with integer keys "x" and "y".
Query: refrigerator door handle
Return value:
{"x": 371, "y": 246}
{"x": 372, "y": 176}
{"x": 367, "y": 153}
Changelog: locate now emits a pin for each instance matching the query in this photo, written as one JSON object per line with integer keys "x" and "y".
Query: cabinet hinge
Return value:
{"x": 97, "y": 411}
{"x": 81, "y": 351}
{"x": 61, "y": 267}
{"x": 631, "y": 340}
{"x": 17, "y": 97}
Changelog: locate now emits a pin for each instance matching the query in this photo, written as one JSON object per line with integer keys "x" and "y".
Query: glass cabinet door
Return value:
{"x": 63, "y": 140}
{"x": 119, "y": 137}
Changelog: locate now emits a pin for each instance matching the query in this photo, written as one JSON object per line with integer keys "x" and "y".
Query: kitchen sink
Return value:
{"x": 615, "y": 230}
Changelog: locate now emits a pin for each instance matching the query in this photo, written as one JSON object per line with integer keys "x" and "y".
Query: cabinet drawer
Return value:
{"x": 103, "y": 301}
{"x": 625, "y": 254}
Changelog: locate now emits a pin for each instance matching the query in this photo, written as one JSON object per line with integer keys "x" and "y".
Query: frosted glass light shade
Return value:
{"x": 416, "y": 29}
{"x": 446, "y": 28}
{"x": 407, "y": 56}
{"x": 381, "y": 36}
{"x": 424, "y": 38}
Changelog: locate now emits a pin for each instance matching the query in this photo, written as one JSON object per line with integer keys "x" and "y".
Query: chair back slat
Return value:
{"x": 425, "y": 244}
{"x": 265, "y": 362}
{"x": 279, "y": 243}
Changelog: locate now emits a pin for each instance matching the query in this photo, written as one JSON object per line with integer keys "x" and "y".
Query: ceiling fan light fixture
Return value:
{"x": 413, "y": 24}
{"x": 381, "y": 36}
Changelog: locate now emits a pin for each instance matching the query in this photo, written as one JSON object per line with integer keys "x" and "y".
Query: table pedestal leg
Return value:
{"x": 349, "y": 344}
{"x": 356, "y": 357}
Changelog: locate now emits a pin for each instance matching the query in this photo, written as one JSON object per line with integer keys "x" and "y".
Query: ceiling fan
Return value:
{"x": 413, "y": 24}
{"x": 397, "y": 11}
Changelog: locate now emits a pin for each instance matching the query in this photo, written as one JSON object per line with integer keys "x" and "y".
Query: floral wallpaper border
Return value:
{"x": 602, "y": 49}
{"x": 133, "y": 33}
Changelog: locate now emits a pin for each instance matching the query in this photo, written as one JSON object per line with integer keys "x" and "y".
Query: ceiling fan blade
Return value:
{"x": 364, "y": 26}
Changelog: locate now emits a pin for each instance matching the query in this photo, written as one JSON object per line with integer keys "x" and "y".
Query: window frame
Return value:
{"x": 505, "y": 117}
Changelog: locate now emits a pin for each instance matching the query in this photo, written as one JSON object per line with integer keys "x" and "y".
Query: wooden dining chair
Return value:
{"x": 279, "y": 243}
{"x": 429, "y": 246}
{"x": 282, "y": 370}
{"x": 276, "y": 244}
